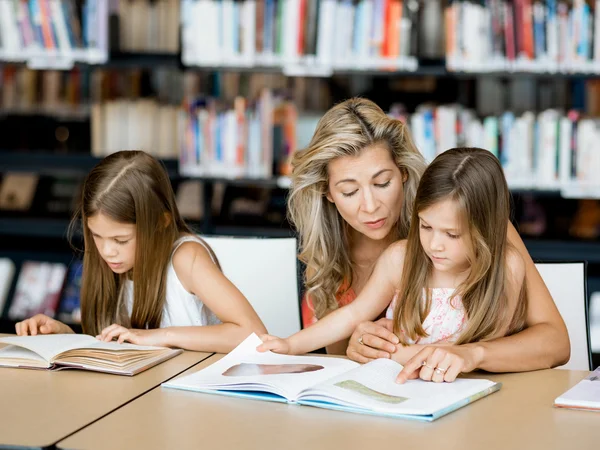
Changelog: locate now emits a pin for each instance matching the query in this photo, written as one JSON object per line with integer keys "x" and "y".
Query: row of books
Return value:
{"x": 41, "y": 288}
{"x": 149, "y": 26}
{"x": 523, "y": 35}
{"x": 136, "y": 124}
{"x": 254, "y": 138}
{"x": 70, "y": 93}
{"x": 54, "y": 33}
{"x": 303, "y": 37}
{"x": 549, "y": 150}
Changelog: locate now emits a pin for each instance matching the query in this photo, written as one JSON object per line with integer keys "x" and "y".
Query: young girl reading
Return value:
{"x": 147, "y": 279}
{"x": 455, "y": 279}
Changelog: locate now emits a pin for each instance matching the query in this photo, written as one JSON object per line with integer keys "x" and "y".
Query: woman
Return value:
{"x": 352, "y": 193}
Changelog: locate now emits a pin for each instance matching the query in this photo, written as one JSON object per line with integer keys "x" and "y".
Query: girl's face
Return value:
{"x": 443, "y": 238}
{"x": 115, "y": 242}
{"x": 367, "y": 191}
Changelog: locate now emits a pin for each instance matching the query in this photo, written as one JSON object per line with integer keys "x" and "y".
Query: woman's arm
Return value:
{"x": 340, "y": 323}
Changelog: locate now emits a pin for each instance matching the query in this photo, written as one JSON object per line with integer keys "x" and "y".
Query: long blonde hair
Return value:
{"x": 129, "y": 187}
{"x": 345, "y": 130}
{"x": 474, "y": 179}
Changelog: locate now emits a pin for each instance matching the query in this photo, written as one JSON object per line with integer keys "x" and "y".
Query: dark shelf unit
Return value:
{"x": 53, "y": 162}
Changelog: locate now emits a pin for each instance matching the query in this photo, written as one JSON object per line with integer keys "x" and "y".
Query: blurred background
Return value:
{"x": 225, "y": 91}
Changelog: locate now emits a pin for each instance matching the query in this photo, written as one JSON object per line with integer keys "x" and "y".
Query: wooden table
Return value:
{"x": 39, "y": 408}
{"x": 519, "y": 416}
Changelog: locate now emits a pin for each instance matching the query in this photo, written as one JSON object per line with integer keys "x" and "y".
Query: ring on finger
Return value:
{"x": 360, "y": 340}
{"x": 440, "y": 371}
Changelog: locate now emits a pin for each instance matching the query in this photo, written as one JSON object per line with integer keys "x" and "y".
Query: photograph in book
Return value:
{"x": 330, "y": 382}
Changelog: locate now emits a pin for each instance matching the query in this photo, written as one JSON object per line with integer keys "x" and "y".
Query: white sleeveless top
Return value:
{"x": 181, "y": 308}
{"x": 446, "y": 318}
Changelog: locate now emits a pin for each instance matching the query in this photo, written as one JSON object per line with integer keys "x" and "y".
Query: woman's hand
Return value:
{"x": 439, "y": 364}
{"x": 133, "y": 336}
{"x": 41, "y": 324}
{"x": 372, "y": 340}
{"x": 274, "y": 344}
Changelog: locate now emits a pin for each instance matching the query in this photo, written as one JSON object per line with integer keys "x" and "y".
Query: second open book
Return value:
{"x": 79, "y": 351}
{"x": 333, "y": 383}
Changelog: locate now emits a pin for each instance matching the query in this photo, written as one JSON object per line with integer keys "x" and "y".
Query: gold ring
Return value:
{"x": 360, "y": 341}
{"x": 440, "y": 371}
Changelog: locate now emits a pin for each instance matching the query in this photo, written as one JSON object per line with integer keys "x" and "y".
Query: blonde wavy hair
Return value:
{"x": 344, "y": 130}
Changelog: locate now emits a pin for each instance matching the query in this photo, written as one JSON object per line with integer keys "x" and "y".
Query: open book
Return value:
{"x": 333, "y": 383}
{"x": 79, "y": 351}
{"x": 584, "y": 395}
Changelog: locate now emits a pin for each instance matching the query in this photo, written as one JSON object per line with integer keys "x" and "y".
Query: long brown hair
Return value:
{"x": 344, "y": 130}
{"x": 129, "y": 187}
{"x": 474, "y": 179}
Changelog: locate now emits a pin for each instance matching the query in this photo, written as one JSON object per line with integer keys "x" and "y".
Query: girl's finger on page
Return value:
{"x": 18, "y": 328}
{"x": 107, "y": 331}
{"x": 113, "y": 334}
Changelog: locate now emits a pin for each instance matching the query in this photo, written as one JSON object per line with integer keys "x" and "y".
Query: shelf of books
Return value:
{"x": 39, "y": 284}
{"x": 300, "y": 37}
{"x": 523, "y": 36}
{"x": 54, "y": 34}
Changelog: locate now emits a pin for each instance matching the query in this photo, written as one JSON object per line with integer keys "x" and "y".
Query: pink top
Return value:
{"x": 446, "y": 318}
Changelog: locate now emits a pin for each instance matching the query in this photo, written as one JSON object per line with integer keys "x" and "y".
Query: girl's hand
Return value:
{"x": 133, "y": 336}
{"x": 41, "y": 324}
{"x": 274, "y": 344}
{"x": 439, "y": 364}
{"x": 372, "y": 340}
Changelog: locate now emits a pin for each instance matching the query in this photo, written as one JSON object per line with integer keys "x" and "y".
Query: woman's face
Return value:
{"x": 367, "y": 190}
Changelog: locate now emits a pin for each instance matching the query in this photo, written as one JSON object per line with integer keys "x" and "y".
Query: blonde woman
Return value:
{"x": 352, "y": 193}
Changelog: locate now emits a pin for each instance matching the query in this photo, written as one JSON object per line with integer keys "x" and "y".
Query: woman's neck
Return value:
{"x": 365, "y": 251}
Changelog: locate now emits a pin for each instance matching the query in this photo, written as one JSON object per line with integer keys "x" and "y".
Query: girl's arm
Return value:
{"x": 200, "y": 276}
{"x": 340, "y": 323}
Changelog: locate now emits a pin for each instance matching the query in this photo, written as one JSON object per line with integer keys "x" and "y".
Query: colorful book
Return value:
{"x": 331, "y": 383}
{"x": 38, "y": 289}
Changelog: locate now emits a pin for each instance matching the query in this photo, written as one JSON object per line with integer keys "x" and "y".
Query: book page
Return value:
{"x": 245, "y": 369}
{"x": 373, "y": 387}
{"x": 51, "y": 346}
{"x": 12, "y": 356}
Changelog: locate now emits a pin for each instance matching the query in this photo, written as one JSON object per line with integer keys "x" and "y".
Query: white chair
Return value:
{"x": 567, "y": 284}
{"x": 265, "y": 270}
